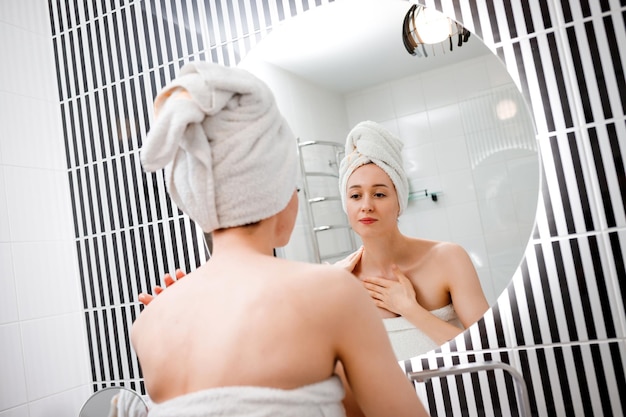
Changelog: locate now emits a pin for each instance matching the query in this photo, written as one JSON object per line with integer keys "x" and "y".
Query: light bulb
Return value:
{"x": 431, "y": 26}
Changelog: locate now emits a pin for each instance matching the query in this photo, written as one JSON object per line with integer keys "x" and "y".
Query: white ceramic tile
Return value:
{"x": 377, "y": 104}
{"x": 27, "y": 144}
{"x": 32, "y": 15}
{"x": 523, "y": 173}
{"x": 445, "y": 122}
{"x": 408, "y": 96}
{"x": 451, "y": 154}
{"x": 486, "y": 283}
{"x": 55, "y": 355}
{"x": 490, "y": 180}
{"x": 427, "y": 223}
{"x": 498, "y": 213}
{"x": 355, "y": 109}
{"x": 464, "y": 220}
{"x": 525, "y": 204}
{"x": 457, "y": 187}
{"x": 12, "y": 377}
{"x": 67, "y": 403}
{"x": 414, "y": 129}
{"x": 32, "y": 74}
{"x": 438, "y": 88}
{"x": 8, "y": 298}
{"x": 5, "y": 221}
{"x": 419, "y": 187}
{"x": 505, "y": 248}
{"x": 391, "y": 125}
{"x": 420, "y": 161}
{"x": 21, "y": 411}
{"x": 473, "y": 80}
{"x": 49, "y": 286}
{"x": 38, "y": 204}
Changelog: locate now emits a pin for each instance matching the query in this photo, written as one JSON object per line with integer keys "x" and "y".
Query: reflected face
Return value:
{"x": 371, "y": 201}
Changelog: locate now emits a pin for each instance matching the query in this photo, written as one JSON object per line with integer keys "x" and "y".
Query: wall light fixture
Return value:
{"x": 426, "y": 26}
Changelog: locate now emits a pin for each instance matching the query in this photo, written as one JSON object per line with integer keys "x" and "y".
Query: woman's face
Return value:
{"x": 371, "y": 201}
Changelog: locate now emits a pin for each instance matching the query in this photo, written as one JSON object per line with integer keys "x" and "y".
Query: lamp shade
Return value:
{"x": 431, "y": 26}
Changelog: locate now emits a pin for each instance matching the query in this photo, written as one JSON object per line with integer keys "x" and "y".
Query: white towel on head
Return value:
{"x": 321, "y": 399}
{"x": 230, "y": 158}
{"x": 369, "y": 142}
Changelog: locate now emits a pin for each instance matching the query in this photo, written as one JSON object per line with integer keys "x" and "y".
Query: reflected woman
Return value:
{"x": 426, "y": 291}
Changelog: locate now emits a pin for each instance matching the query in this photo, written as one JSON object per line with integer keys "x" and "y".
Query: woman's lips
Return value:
{"x": 367, "y": 220}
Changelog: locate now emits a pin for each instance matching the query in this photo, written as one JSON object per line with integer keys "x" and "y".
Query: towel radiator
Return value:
{"x": 520, "y": 385}
{"x": 315, "y": 230}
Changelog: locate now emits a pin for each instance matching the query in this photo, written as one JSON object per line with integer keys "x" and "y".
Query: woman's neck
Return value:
{"x": 381, "y": 252}
{"x": 238, "y": 240}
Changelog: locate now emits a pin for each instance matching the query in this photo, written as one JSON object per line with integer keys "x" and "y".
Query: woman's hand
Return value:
{"x": 395, "y": 296}
{"x": 349, "y": 262}
{"x": 146, "y": 299}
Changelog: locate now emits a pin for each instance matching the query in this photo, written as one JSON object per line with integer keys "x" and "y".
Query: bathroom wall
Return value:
{"x": 43, "y": 340}
{"x": 561, "y": 322}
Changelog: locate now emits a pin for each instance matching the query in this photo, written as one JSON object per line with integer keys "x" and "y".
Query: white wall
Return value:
{"x": 44, "y": 361}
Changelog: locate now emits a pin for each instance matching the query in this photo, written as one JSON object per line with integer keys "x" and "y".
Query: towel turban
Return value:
{"x": 369, "y": 142}
{"x": 230, "y": 158}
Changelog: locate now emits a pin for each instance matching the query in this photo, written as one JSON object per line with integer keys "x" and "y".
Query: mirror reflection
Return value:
{"x": 469, "y": 142}
{"x": 114, "y": 402}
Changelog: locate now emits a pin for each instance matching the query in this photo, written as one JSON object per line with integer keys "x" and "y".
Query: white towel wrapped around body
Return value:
{"x": 321, "y": 399}
{"x": 230, "y": 158}
{"x": 369, "y": 142}
{"x": 408, "y": 341}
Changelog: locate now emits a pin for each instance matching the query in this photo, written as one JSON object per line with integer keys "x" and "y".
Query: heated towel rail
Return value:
{"x": 520, "y": 385}
{"x": 313, "y": 198}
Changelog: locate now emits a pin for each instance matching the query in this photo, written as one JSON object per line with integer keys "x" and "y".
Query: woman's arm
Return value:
{"x": 375, "y": 379}
{"x": 461, "y": 282}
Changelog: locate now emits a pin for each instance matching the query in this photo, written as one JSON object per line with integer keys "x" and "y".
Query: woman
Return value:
{"x": 248, "y": 334}
{"x": 426, "y": 291}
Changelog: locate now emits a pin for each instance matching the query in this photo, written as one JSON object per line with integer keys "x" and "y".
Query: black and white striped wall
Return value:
{"x": 561, "y": 322}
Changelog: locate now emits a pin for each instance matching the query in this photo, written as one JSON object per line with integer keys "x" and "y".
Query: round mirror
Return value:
{"x": 114, "y": 402}
{"x": 469, "y": 141}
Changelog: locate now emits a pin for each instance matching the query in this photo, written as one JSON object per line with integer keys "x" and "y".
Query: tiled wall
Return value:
{"x": 561, "y": 322}
{"x": 44, "y": 360}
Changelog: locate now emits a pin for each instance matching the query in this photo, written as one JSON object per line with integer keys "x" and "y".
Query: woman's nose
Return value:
{"x": 366, "y": 204}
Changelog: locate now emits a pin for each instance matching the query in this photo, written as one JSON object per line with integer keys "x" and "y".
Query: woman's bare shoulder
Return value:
{"x": 329, "y": 280}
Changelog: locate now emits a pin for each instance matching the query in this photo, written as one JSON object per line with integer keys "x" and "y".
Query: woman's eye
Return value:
{"x": 354, "y": 196}
{"x": 379, "y": 195}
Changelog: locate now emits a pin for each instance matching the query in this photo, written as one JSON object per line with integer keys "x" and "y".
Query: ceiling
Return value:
{"x": 353, "y": 44}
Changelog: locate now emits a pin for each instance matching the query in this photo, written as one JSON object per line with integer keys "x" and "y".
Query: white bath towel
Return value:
{"x": 370, "y": 142}
{"x": 322, "y": 399}
{"x": 230, "y": 158}
{"x": 408, "y": 341}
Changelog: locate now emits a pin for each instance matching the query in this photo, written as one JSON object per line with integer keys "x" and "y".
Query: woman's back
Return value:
{"x": 261, "y": 321}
